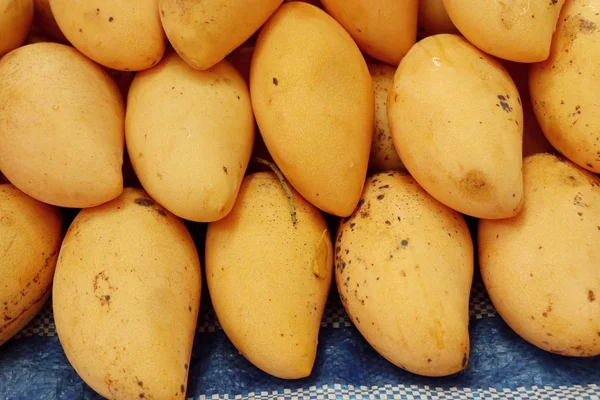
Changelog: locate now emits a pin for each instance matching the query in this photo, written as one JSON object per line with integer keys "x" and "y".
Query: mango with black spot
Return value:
{"x": 269, "y": 276}
{"x": 126, "y": 297}
{"x": 457, "y": 123}
{"x": 190, "y": 135}
{"x": 515, "y": 30}
{"x": 540, "y": 268}
{"x": 30, "y": 237}
{"x": 403, "y": 269}
{"x": 315, "y": 113}
{"x": 565, "y": 87}
{"x": 125, "y": 35}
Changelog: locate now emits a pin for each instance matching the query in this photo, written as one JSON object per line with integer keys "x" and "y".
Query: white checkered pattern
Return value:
{"x": 481, "y": 305}
{"x": 41, "y": 325}
{"x": 334, "y": 316}
{"x": 207, "y": 321}
{"x": 413, "y": 392}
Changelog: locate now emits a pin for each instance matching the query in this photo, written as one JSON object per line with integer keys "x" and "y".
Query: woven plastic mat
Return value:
{"x": 502, "y": 366}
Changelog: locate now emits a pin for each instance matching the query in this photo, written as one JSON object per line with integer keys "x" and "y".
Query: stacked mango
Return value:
{"x": 349, "y": 142}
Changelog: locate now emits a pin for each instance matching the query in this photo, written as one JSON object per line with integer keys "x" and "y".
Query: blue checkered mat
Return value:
{"x": 502, "y": 366}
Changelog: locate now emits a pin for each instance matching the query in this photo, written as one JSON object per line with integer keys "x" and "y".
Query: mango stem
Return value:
{"x": 286, "y": 187}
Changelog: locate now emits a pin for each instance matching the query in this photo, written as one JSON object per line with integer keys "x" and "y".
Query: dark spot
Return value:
{"x": 474, "y": 183}
{"x": 275, "y": 81}
{"x": 182, "y": 388}
{"x": 586, "y": 26}
{"x": 224, "y": 169}
{"x": 352, "y": 225}
{"x": 80, "y": 30}
{"x": 141, "y": 395}
{"x": 591, "y": 296}
{"x": 140, "y": 384}
{"x": 429, "y": 360}
{"x": 404, "y": 243}
{"x": 347, "y": 251}
{"x": 162, "y": 12}
{"x": 141, "y": 201}
{"x": 110, "y": 19}
{"x": 387, "y": 222}
{"x": 97, "y": 11}
{"x": 145, "y": 202}
{"x": 504, "y": 104}
{"x": 107, "y": 297}
{"x": 402, "y": 272}
{"x": 185, "y": 366}
{"x": 384, "y": 187}
{"x": 380, "y": 197}
{"x": 465, "y": 360}
{"x": 589, "y": 165}
{"x": 358, "y": 30}
{"x": 190, "y": 308}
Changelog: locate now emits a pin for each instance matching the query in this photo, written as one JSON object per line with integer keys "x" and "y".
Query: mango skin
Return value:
{"x": 305, "y": 100}
{"x": 564, "y": 88}
{"x": 268, "y": 278}
{"x": 404, "y": 268}
{"x": 450, "y": 104}
{"x": 534, "y": 141}
{"x": 383, "y": 155}
{"x": 126, "y": 297}
{"x": 30, "y": 237}
{"x": 515, "y": 30}
{"x": 125, "y": 35}
{"x": 61, "y": 126}
{"x": 383, "y": 29}
{"x": 540, "y": 268}
{"x": 190, "y": 135}
{"x": 205, "y": 32}
{"x": 16, "y": 17}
